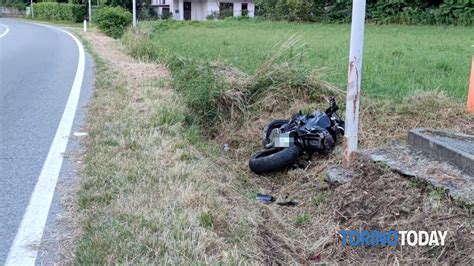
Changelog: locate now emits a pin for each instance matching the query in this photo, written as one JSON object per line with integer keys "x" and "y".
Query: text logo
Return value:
{"x": 376, "y": 238}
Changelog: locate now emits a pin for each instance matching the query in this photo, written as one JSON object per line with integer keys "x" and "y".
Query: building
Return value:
{"x": 203, "y": 9}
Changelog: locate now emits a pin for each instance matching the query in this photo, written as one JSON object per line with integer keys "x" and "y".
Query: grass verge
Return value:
{"x": 158, "y": 190}
{"x": 147, "y": 195}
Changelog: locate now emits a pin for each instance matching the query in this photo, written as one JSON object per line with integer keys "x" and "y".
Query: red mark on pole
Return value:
{"x": 353, "y": 68}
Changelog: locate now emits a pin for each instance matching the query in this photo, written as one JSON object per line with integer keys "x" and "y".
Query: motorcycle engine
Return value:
{"x": 314, "y": 131}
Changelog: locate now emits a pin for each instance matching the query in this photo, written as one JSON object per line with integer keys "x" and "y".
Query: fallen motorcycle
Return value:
{"x": 287, "y": 140}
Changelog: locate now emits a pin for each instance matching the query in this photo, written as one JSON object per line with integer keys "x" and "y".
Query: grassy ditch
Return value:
{"x": 158, "y": 187}
{"x": 148, "y": 195}
{"x": 260, "y": 71}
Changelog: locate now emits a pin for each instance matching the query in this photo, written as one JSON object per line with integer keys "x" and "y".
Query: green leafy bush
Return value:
{"x": 113, "y": 20}
{"x": 451, "y": 12}
{"x": 59, "y": 11}
{"x": 79, "y": 12}
{"x": 18, "y": 4}
{"x": 295, "y": 10}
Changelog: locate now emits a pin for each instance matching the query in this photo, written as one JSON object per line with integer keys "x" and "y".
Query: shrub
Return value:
{"x": 79, "y": 12}
{"x": 13, "y": 4}
{"x": 60, "y": 11}
{"x": 216, "y": 93}
{"x": 295, "y": 10}
{"x": 213, "y": 15}
{"x": 166, "y": 15}
{"x": 113, "y": 20}
{"x": 140, "y": 44}
{"x": 452, "y": 12}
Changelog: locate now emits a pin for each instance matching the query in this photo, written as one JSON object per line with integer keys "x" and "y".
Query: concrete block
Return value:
{"x": 454, "y": 148}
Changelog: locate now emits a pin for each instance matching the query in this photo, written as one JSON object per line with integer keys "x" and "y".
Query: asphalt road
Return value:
{"x": 37, "y": 68}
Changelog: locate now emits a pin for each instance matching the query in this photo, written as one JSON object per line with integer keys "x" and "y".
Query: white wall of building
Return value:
{"x": 237, "y": 9}
{"x": 212, "y": 7}
{"x": 251, "y": 8}
{"x": 200, "y": 9}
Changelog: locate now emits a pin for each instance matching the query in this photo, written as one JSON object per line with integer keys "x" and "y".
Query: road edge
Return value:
{"x": 23, "y": 250}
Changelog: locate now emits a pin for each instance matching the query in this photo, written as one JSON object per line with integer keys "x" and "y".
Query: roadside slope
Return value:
{"x": 155, "y": 190}
{"x": 147, "y": 194}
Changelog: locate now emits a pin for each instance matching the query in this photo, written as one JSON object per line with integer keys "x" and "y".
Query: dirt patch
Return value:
{"x": 135, "y": 71}
{"x": 376, "y": 199}
{"x": 413, "y": 164}
{"x": 380, "y": 199}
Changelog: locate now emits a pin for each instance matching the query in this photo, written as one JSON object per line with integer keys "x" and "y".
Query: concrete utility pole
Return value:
{"x": 134, "y": 9}
{"x": 31, "y": 7}
{"x": 354, "y": 80}
{"x": 90, "y": 11}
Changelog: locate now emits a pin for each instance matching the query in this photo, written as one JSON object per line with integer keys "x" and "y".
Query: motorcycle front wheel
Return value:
{"x": 275, "y": 159}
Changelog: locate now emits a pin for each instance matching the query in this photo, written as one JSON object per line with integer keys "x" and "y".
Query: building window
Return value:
{"x": 245, "y": 9}
{"x": 226, "y": 10}
{"x": 166, "y": 13}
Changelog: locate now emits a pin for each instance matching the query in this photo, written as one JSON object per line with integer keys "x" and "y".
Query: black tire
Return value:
{"x": 267, "y": 131}
{"x": 275, "y": 159}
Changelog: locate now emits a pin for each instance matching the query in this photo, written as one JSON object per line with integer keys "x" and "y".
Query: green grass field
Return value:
{"x": 397, "y": 59}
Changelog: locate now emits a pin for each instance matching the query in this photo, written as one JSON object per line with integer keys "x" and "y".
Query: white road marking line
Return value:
{"x": 6, "y": 30}
{"x": 28, "y": 238}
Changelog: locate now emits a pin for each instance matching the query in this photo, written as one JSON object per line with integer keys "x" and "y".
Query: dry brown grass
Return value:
{"x": 58, "y": 243}
{"x": 380, "y": 199}
{"x": 147, "y": 195}
{"x": 377, "y": 199}
{"x": 152, "y": 194}
{"x": 383, "y": 121}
